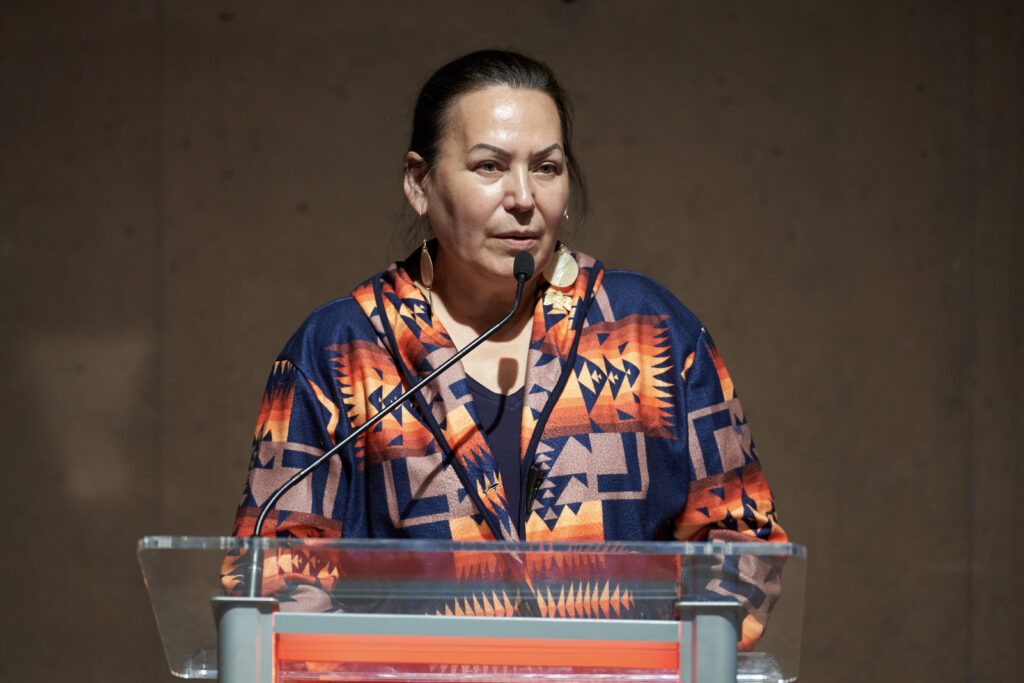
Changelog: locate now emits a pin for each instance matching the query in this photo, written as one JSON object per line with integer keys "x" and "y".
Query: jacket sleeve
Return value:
{"x": 728, "y": 497}
{"x": 297, "y": 423}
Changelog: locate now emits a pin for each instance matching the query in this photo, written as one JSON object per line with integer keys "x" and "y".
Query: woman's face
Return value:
{"x": 499, "y": 186}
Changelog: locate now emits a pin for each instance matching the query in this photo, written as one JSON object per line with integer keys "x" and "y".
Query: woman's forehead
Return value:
{"x": 501, "y": 113}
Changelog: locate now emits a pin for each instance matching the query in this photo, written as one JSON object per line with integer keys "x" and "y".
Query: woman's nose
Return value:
{"x": 518, "y": 191}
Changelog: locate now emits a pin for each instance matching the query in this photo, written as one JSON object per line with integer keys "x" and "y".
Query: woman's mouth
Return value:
{"x": 519, "y": 240}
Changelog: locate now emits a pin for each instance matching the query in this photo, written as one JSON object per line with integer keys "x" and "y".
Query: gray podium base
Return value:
{"x": 245, "y": 638}
{"x": 707, "y": 633}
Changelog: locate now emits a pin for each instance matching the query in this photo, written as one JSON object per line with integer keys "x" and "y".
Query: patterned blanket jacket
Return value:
{"x": 631, "y": 431}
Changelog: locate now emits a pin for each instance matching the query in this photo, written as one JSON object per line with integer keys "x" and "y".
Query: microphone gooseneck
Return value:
{"x": 522, "y": 268}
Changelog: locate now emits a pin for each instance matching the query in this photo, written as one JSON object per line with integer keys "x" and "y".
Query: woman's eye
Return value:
{"x": 548, "y": 168}
{"x": 487, "y": 167}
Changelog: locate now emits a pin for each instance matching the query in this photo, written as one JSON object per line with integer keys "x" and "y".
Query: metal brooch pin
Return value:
{"x": 556, "y": 299}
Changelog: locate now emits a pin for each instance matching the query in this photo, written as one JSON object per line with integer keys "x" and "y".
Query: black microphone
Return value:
{"x": 522, "y": 268}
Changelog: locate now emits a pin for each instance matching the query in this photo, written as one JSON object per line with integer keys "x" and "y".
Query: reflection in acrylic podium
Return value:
{"x": 358, "y": 610}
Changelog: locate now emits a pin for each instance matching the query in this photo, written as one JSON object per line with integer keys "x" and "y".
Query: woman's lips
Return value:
{"x": 519, "y": 240}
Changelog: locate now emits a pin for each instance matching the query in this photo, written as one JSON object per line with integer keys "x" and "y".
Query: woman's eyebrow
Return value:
{"x": 497, "y": 150}
{"x": 505, "y": 153}
{"x": 547, "y": 150}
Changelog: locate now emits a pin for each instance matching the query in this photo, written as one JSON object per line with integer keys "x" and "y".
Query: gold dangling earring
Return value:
{"x": 426, "y": 266}
{"x": 562, "y": 270}
{"x": 427, "y": 272}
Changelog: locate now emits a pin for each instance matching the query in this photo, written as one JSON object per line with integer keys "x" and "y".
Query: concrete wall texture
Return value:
{"x": 833, "y": 187}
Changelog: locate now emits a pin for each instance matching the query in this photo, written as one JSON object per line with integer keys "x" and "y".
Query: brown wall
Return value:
{"x": 833, "y": 187}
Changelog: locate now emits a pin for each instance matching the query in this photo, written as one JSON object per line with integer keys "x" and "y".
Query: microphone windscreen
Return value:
{"x": 523, "y": 266}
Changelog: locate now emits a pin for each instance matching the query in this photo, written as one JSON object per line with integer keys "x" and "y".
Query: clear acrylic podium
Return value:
{"x": 392, "y": 610}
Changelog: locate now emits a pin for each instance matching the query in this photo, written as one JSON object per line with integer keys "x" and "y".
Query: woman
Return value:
{"x": 602, "y": 411}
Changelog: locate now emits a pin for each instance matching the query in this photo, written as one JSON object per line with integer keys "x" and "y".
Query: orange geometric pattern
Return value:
{"x": 585, "y": 524}
{"x": 276, "y": 407}
{"x": 585, "y": 601}
{"x": 620, "y": 386}
{"x": 737, "y": 500}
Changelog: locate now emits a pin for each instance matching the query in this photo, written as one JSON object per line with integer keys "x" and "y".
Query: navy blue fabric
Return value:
{"x": 501, "y": 418}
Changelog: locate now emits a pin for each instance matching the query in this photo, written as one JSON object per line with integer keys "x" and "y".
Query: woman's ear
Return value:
{"x": 415, "y": 178}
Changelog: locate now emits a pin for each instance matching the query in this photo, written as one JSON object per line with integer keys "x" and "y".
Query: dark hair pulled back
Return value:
{"x": 486, "y": 69}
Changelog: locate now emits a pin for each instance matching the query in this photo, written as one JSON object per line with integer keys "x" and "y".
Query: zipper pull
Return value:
{"x": 534, "y": 478}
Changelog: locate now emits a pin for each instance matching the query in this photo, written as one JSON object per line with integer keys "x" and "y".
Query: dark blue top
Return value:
{"x": 501, "y": 419}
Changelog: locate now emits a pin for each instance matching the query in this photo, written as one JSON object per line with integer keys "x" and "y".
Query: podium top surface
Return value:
{"x": 659, "y": 548}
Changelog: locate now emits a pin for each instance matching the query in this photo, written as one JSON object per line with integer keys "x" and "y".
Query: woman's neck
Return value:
{"x": 467, "y": 310}
{"x": 477, "y": 304}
